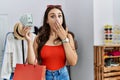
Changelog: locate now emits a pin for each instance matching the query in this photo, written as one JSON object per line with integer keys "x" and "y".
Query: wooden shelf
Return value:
{"x": 110, "y": 45}
{"x": 110, "y": 74}
{"x": 113, "y": 68}
{"x": 101, "y": 72}
{"x": 113, "y": 78}
{"x": 105, "y": 57}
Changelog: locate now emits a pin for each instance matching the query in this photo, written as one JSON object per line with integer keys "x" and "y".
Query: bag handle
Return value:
{"x": 23, "y": 51}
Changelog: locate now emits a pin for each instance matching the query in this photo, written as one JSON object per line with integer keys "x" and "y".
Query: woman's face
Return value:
{"x": 53, "y": 16}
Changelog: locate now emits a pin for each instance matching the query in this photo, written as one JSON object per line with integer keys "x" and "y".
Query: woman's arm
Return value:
{"x": 32, "y": 45}
{"x": 32, "y": 51}
{"x": 69, "y": 47}
{"x": 70, "y": 51}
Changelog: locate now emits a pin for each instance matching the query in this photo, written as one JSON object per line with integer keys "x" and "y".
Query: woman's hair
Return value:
{"x": 44, "y": 31}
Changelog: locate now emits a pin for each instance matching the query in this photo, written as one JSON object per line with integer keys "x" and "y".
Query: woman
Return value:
{"x": 54, "y": 45}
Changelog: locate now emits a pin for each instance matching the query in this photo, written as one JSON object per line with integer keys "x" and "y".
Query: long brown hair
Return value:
{"x": 44, "y": 31}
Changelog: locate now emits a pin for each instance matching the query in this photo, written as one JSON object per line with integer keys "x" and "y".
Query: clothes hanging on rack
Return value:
{"x": 12, "y": 54}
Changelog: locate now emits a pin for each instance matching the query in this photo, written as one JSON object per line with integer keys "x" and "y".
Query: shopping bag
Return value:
{"x": 29, "y": 72}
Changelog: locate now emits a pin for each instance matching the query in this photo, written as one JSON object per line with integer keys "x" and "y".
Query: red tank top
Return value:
{"x": 53, "y": 57}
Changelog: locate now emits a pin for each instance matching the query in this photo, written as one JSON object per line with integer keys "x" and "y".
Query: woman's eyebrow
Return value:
{"x": 59, "y": 13}
{"x": 54, "y": 13}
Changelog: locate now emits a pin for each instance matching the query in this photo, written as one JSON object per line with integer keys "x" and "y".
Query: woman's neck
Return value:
{"x": 53, "y": 39}
{"x": 53, "y": 35}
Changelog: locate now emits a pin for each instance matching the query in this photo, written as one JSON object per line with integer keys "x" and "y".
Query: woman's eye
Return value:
{"x": 53, "y": 16}
{"x": 59, "y": 16}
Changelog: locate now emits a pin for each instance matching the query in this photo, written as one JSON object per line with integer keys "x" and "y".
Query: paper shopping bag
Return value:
{"x": 29, "y": 72}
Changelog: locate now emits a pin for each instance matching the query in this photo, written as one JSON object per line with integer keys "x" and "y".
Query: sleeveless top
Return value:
{"x": 53, "y": 57}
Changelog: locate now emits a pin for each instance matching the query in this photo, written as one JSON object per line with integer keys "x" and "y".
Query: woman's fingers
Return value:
{"x": 59, "y": 26}
{"x": 61, "y": 32}
{"x": 25, "y": 30}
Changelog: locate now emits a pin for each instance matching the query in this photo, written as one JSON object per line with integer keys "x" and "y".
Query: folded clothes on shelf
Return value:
{"x": 110, "y": 63}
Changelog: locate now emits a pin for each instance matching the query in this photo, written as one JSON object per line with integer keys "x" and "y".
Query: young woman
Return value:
{"x": 54, "y": 45}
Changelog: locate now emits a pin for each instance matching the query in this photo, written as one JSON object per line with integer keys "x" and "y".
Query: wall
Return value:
{"x": 103, "y": 14}
{"x": 116, "y": 12}
{"x": 80, "y": 21}
{"x": 3, "y": 19}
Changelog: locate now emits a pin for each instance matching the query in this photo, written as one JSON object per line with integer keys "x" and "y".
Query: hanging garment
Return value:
{"x": 12, "y": 54}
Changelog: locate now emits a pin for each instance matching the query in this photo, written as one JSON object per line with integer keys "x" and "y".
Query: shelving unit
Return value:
{"x": 101, "y": 71}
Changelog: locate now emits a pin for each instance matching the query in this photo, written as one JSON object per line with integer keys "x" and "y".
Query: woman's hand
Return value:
{"x": 26, "y": 33}
{"x": 60, "y": 31}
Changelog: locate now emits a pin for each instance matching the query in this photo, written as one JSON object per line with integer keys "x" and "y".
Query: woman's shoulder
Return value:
{"x": 36, "y": 38}
{"x": 71, "y": 34}
{"x": 35, "y": 42}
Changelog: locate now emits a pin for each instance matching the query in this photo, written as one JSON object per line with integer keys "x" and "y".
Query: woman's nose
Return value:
{"x": 57, "y": 19}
